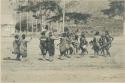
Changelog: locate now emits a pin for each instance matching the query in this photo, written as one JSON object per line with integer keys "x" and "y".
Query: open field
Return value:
{"x": 84, "y": 69}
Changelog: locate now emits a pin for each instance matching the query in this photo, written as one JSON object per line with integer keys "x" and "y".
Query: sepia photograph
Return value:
{"x": 62, "y": 41}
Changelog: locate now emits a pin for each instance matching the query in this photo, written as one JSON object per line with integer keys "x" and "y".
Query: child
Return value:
{"x": 16, "y": 46}
{"x": 50, "y": 46}
{"x": 43, "y": 44}
{"x": 23, "y": 46}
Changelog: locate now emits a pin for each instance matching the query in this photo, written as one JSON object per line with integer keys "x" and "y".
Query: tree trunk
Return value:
{"x": 63, "y": 15}
{"x": 27, "y": 24}
{"x": 124, "y": 29}
{"x": 20, "y": 22}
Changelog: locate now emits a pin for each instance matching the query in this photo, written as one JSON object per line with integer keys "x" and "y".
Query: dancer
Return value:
{"x": 23, "y": 46}
{"x": 16, "y": 47}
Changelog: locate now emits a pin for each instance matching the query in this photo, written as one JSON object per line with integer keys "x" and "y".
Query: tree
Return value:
{"x": 23, "y": 7}
{"x": 116, "y": 8}
{"x": 77, "y": 17}
{"x": 47, "y": 6}
{"x": 57, "y": 18}
{"x": 53, "y": 6}
{"x": 23, "y": 25}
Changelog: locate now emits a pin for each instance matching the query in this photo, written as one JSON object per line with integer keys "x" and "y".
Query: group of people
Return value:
{"x": 101, "y": 44}
{"x": 70, "y": 43}
{"x": 20, "y": 46}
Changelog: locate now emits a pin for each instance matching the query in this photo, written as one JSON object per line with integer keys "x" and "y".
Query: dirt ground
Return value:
{"x": 84, "y": 69}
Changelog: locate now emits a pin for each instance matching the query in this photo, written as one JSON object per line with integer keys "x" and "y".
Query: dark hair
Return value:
{"x": 106, "y": 32}
{"x": 43, "y": 33}
{"x": 66, "y": 29}
{"x": 61, "y": 38}
{"x": 23, "y": 36}
{"x": 50, "y": 33}
{"x": 76, "y": 37}
{"x": 97, "y": 33}
{"x": 77, "y": 30}
{"x": 82, "y": 34}
{"x": 46, "y": 27}
{"x": 16, "y": 36}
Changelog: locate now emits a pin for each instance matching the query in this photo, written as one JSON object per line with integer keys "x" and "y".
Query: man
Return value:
{"x": 43, "y": 44}
{"x": 95, "y": 43}
{"x": 109, "y": 40}
{"x": 62, "y": 48}
{"x": 69, "y": 46}
{"x": 102, "y": 43}
{"x": 83, "y": 44}
{"x": 50, "y": 46}
{"x": 23, "y": 46}
{"x": 47, "y": 31}
{"x": 16, "y": 47}
{"x": 76, "y": 42}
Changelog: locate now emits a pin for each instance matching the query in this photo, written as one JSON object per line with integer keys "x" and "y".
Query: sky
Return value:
{"x": 91, "y": 6}
{"x": 6, "y": 13}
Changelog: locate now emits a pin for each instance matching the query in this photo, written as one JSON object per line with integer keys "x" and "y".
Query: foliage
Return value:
{"x": 52, "y": 6}
{"x": 77, "y": 17}
{"x": 23, "y": 25}
{"x": 24, "y": 8}
{"x": 116, "y": 8}
{"x": 55, "y": 18}
{"x": 45, "y": 5}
